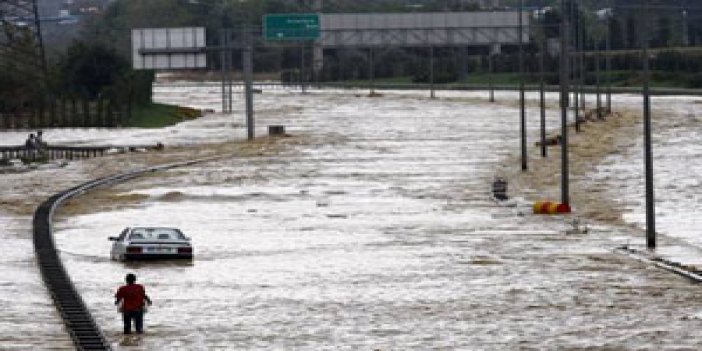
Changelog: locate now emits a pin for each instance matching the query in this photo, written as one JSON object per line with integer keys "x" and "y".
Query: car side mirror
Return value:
{"x": 113, "y": 238}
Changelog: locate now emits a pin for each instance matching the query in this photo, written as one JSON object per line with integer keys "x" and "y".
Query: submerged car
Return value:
{"x": 142, "y": 243}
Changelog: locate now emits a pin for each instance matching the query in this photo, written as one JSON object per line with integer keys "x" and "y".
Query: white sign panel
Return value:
{"x": 423, "y": 29}
{"x": 168, "y": 48}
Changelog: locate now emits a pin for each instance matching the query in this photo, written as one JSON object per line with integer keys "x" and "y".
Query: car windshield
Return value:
{"x": 156, "y": 234}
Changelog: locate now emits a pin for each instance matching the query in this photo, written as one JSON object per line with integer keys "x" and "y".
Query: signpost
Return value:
{"x": 169, "y": 48}
{"x": 291, "y": 26}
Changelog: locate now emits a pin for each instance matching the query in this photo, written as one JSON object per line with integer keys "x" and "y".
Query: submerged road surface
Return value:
{"x": 371, "y": 228}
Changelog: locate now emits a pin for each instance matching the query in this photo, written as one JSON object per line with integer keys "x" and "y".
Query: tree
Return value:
{"x": 88, "y": 68}
{"x": 21, "y": 77}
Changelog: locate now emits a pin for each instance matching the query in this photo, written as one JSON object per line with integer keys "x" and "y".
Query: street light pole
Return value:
{"x": 648, "y": 159}
{"x": 565, "y": 98}
{"x": 608, "y": 57}
{"x": 303, "y": 71}
{"x": 491, "y": 69}
{"x": 371, "y": 71}
{"x": 542, "y": 93}
{"x": 574, "y": 70}
{"x": 222, "y": 63}
{"x": 230, "y": 79}
{"x": 581, "y": 44}
{"x": 597, "y": 42}
{"x": 522, "y": 107}
{"x": 247, "y": 61}
{"x": 432, "y": 94}
{"x": 685, "y": 30}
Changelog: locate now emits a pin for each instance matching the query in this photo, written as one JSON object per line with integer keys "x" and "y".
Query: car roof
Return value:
{"x": 152, "y": 228}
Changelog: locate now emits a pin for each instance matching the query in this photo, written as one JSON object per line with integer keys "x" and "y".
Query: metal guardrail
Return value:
{"x": 79, "y": 322}
{"x": 235, "y": 84}
{"x": 81, "y": 326}
{"x": 662, "y": 263}
{"x": 53, "y": 152}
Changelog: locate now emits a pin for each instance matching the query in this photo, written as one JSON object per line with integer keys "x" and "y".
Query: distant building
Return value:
{"x": 61, "y": 20}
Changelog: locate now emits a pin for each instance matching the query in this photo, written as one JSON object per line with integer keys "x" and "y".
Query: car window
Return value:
{"x": 168, "y": 234}
{"x": 156, "y": 234}
{"x": 140, "y": 234}
{"x": 137, "y": 236}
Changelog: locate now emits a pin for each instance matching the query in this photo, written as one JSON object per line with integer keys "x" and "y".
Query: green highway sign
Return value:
{"x": 291, "y": 26}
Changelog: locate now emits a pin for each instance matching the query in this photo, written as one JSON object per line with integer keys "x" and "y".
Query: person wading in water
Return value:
{"x": 133, "y": 298}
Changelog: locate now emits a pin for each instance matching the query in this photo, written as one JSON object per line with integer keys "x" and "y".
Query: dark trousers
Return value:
{"x": 137, "y": 316}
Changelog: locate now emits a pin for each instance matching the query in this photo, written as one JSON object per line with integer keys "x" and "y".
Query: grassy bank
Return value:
{"x": 160, "y": 115}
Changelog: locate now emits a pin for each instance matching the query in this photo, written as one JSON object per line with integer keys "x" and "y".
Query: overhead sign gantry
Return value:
{"x": 169, "y": 48}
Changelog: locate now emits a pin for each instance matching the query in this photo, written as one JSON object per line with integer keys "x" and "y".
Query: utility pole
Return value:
{"x": 581, "y": 56}
{"x": 432, "y": 94}
{"x": 371, "y": 71}
{"x": 574, "y": 70}
{"x": 648, "y": 157}
{"x": 565, "y": 98}
{"x": 597, "y": 77}
{"x": 230, "y": 79}
{"x": 316, "y": 60}
{"x": 491, "y": 68}
{"x": 303, "y": 71}
{"x": 248, "y": 87}
{"x": 685, "y": 29}
{"x": 223, "y": 64}
{"x": 33, "y": 60}
{"x": 542, "y": 93}
{"x": 40, "y": 39}
{"x": 522, "y": 107}
{"x": 609, "y": 59}
{"x": 317, "y": 49}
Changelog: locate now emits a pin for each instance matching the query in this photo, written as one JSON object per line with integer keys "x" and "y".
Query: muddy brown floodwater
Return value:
{"x": 371, "y": 227}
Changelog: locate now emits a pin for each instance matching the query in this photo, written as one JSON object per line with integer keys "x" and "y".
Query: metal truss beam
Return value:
{"x": 21, "y": 43}
{"x": 414, "y": 37}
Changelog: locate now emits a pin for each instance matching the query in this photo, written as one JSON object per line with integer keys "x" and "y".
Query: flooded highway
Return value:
{"x": 369, "y": 227}
{"x": 28, "y": 319}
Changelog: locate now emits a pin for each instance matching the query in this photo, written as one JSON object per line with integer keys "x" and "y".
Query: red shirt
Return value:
{"x": 132, "y": 295}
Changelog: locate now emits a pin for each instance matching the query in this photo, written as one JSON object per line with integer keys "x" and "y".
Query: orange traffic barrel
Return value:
{"x": 541, "y": 207}
{"x": 548, "y": 207}
{"x": 563, "y": 208}
{"x": 552, "y": 208}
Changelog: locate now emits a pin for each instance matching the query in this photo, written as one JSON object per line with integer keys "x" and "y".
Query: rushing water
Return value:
{"x": 369, "y": 228}
{"x": 28, "y": 319}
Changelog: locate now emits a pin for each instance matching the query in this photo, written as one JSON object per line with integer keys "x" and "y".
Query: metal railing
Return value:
{"x": 54, "y": 152}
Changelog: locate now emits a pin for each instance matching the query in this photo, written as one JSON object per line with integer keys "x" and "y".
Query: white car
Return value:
{"x": 140, "y": 243}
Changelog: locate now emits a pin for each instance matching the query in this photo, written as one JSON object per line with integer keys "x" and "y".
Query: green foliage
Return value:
{"x": 159, "y": 115}
{"x": 21, "y": 85}
{"x": 694, "y": 81}
{"x": 15, "y": 92}
{"x": 92, "y": 70}
{"x": 445, "y": 73}
{"x": 140, "y": 84}
{"x": 87, "y": 69}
